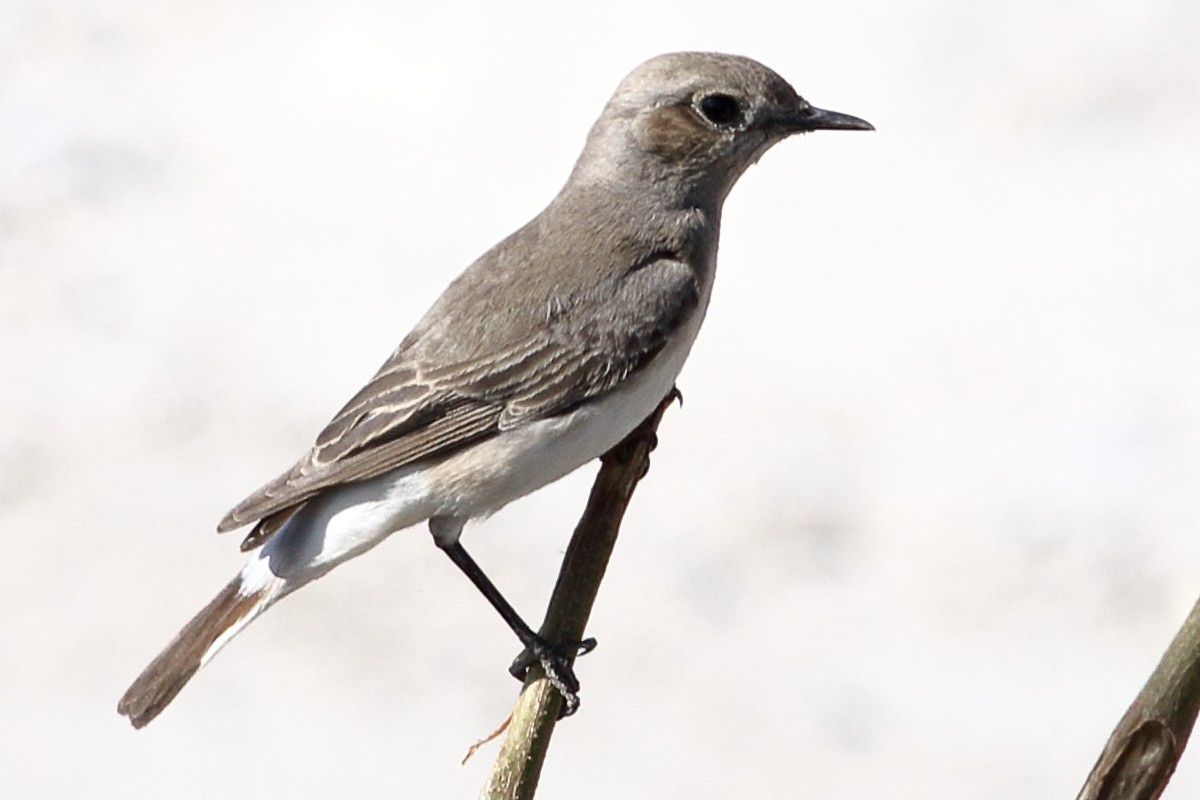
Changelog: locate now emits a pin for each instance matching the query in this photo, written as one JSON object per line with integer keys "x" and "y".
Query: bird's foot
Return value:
{"x": 555, "y": 660}
{"x": 652, "y": 437}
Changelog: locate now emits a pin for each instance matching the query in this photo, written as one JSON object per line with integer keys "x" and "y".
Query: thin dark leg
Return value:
{"x": 554, "y": 658}
{"x": 484, "y": 584}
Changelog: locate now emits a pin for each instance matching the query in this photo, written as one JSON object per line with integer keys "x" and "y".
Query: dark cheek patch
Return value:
{"x": 674, "y": 133}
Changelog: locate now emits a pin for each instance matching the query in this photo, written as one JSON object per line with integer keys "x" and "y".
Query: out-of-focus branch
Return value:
{"x": 1143, "y": 750}
{"x": 515, "y": 773}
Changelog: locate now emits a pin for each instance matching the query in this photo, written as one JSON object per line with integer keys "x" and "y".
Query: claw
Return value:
{"x": 521, "y": 664}
{"x": 555, "y": 660}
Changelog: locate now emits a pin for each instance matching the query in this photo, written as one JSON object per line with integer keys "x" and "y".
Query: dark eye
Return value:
{"x": 720, "y": 109}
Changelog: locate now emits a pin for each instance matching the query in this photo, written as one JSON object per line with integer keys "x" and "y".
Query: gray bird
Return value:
{"x": 540, "y": 357}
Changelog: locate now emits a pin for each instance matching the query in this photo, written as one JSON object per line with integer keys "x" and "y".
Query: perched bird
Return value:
{"x": 541, "y": 356}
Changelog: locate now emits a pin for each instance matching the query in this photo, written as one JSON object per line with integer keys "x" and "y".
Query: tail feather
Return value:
{"x": 230, "y": 611}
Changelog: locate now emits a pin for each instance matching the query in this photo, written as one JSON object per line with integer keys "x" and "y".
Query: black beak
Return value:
{"x": 810, "y": 118}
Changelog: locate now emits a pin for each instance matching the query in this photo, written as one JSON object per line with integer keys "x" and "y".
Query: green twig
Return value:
{"x": 1142, "y": 752}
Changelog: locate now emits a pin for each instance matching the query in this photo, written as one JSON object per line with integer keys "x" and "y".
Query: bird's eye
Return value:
{"x": 720, "y": 109}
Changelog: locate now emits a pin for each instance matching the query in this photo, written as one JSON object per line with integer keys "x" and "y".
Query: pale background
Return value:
{"x": 924, "y": 524}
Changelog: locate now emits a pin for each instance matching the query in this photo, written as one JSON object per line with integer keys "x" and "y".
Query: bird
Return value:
{"x": 538, "y": 358}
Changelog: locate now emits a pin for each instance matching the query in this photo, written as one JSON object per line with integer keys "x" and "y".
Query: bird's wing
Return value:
{"x": 582, "y": 347}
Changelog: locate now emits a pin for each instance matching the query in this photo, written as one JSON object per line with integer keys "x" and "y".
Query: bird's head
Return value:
{"x": 696, "y": 121}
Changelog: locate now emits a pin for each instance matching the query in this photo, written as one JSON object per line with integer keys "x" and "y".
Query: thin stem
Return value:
{"x": 1142, "y": 752}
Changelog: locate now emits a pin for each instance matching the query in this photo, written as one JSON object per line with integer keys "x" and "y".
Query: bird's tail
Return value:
{"x": 243, "y": 599}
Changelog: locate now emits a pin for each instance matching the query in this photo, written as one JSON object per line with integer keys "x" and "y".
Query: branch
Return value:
{"x": 515, "y": 773}
{"x": 1142, "y": 752}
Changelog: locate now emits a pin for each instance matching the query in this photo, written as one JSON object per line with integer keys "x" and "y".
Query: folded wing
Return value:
{"x": 583, "y": 345}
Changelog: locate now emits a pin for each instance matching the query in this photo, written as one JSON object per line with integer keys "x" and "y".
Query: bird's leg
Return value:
{"x": 554, "y": 657}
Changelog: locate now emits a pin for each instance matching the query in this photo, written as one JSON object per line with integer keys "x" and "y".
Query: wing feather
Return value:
{"x": 456, "y": 428}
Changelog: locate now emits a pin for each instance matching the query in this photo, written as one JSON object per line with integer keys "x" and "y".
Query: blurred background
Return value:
{"x": 923, "y": 526}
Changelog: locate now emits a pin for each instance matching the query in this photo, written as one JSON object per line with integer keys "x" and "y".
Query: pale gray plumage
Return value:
{"x": 560, "y": 321}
